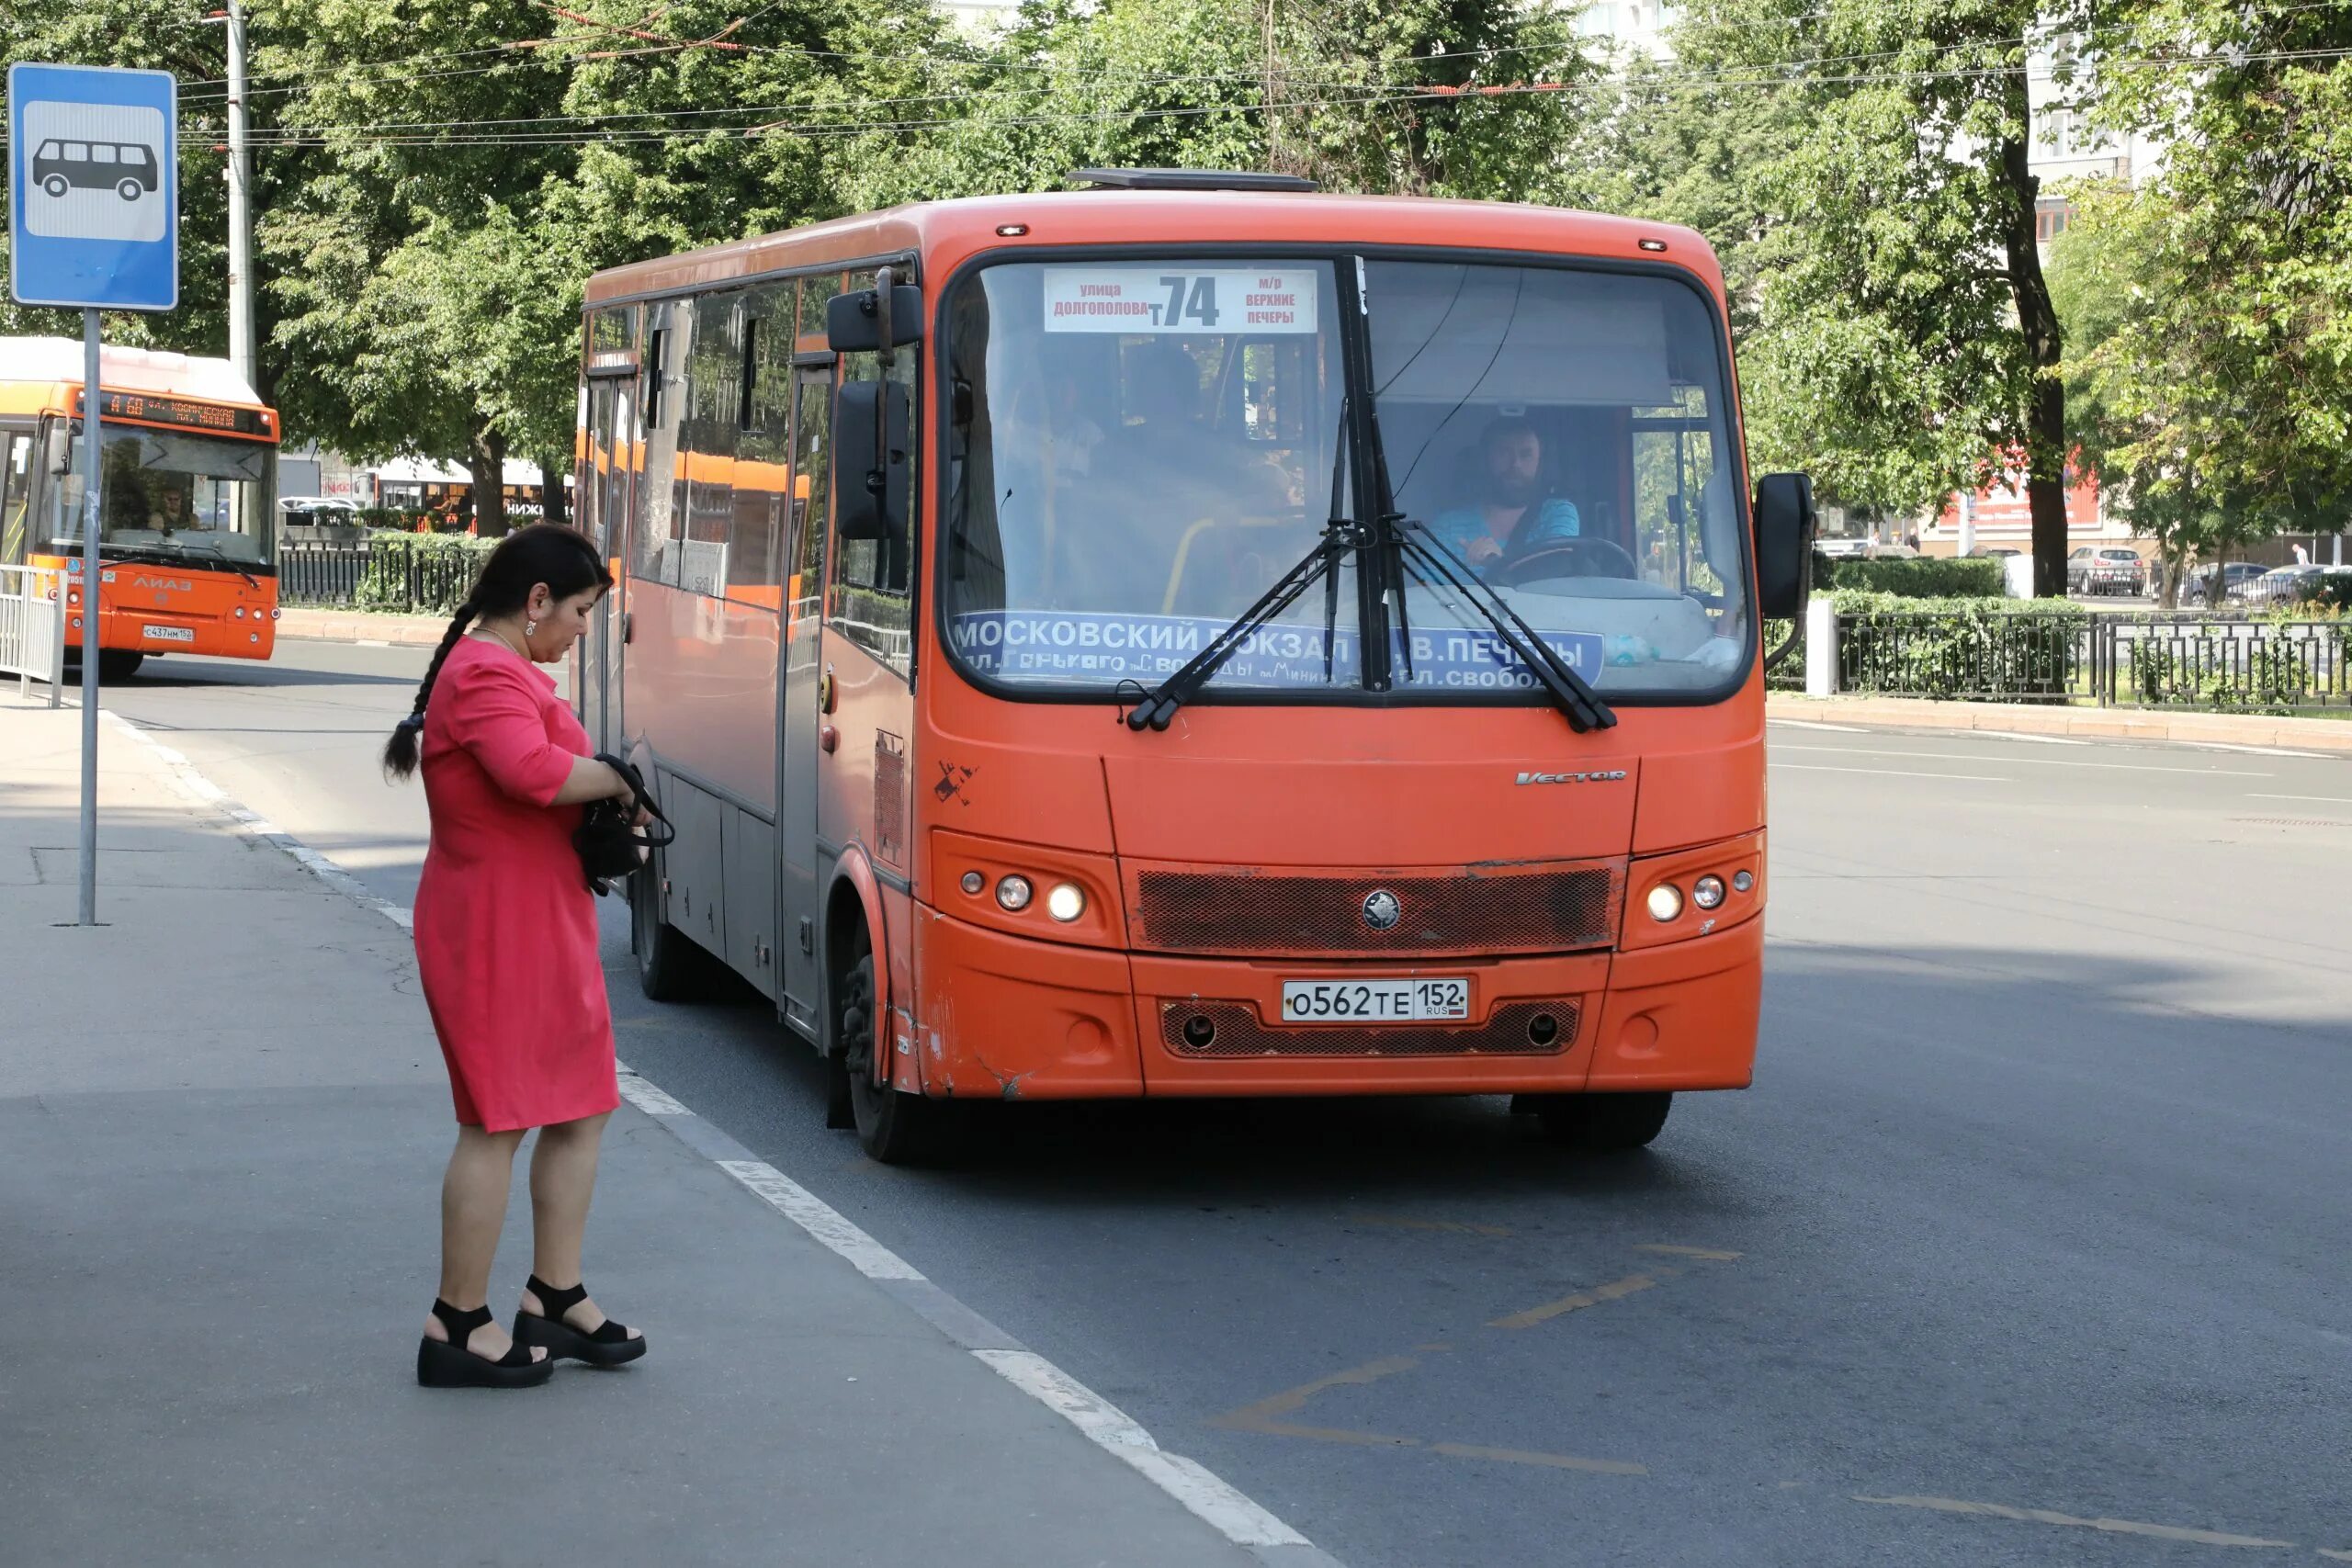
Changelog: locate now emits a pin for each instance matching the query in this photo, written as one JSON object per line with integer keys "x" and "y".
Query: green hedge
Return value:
{"x": 425, "y": 574}
{"x": 1923, "y": 577}
{"x": 1953, "y": 648}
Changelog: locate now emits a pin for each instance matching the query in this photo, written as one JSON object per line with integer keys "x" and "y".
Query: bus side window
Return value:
{"x": 653, "y": 555}
{"x": 16, "y": 499}
{"x": 706, "y": 440}
{"x": 871, "y": 603}
{"x": 812, "y": 463}
{"x": 762, "y": 457}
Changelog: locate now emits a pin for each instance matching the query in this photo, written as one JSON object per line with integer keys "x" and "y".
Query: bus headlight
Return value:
{"x": 1707, "y": 892}
{"x": 1065, "y": 903}
{"x": 1014, "y": 894}
{"x": 1664, "y": 902}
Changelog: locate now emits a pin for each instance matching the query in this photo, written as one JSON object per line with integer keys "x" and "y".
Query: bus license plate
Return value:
{"x": 169, "y": 634}
{"x": 1374, "y": 1001}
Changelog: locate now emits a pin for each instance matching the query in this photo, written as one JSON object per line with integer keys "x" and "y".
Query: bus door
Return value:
{"x": 604, "y": 498}
{"x": 799, "y": 720}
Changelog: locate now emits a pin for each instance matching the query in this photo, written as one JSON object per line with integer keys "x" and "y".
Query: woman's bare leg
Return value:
{"x": 473, "y": 1210}
{"x": 563, "y": 1178}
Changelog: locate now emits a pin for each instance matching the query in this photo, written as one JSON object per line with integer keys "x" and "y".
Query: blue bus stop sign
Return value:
{"x": 93, "y": 188}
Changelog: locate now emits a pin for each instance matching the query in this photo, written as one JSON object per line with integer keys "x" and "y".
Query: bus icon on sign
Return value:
{"x": 127, "y": 169}
{"x": 98, "y": 172}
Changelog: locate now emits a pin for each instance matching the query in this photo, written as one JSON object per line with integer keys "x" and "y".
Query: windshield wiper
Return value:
{"x": 169, "y": 555}
{"x": 216, "y": 553}
{"x": 1160, "y": 704}
{"x": 1570, "y": 691}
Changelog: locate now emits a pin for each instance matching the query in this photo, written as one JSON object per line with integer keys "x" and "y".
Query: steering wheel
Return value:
{"x": 1570, "y": 558}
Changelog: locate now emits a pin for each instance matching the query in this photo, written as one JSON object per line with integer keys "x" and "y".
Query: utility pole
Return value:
{"x": 241, "y": 226}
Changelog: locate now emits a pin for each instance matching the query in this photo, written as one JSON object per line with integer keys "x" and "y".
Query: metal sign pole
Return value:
{"x": 90, "y": 473}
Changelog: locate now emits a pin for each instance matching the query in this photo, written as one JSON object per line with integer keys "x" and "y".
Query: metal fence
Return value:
{"x": 32, "y": 627}
{"x": 2158, "y": 660}
{"x": 430, "y": 577}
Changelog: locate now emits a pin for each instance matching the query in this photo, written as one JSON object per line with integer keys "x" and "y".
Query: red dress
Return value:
{"x": 506, "y": 926}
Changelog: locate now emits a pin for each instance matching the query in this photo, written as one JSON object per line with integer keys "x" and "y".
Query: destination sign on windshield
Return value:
{"x": 1181, "y": 299}
{"x": 145, "y": 408}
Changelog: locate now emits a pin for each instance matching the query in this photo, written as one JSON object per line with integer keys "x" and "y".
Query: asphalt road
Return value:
{"x": 2027, "y": 1247}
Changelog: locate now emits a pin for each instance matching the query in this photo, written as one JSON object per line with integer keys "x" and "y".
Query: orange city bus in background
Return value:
{"x": 188, "y": 532}
{"x": 1069, "y": 637}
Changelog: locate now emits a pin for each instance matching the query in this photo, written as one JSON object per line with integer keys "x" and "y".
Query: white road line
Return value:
{"x": 1222, "y": 1507}
{"x": 2037, "y": 740}
{"x": 1892, "y": 772}
{"x": 1811, "y": 724}
{"x": 2326, "y": 799}
{"x": 2027, "y": 762}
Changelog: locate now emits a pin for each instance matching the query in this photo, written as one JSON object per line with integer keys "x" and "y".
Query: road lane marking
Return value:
{"x": 1615, "y": 1290}
{"x": 2047, "y": 1517}
{"x": 1450, "y": 1227}
{"x": 2325, "y": 799}
{"x": 1262, "y": 1417}
{"x": 1888, "y": 772}
{"x": 1555, "y": 1462}
{"x": 2334, "y": 1556}
{"x": 2028, "y": 761}
{"x": 644, "y": 1096}
{"x": 1222, "y": 1507}
{"x": 1712, "y": 1255}
{"x": 1814, "y": 723}
{"x": 2036, "y": 739}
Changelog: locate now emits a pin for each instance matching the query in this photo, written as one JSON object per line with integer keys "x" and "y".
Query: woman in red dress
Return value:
{"x": 506, "y": 947}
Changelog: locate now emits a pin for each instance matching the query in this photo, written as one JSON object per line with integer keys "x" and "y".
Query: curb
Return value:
{"x": 2319, "y": 735}
{"x": 1217, "y": 1503}
{"x": 357, "y": 627}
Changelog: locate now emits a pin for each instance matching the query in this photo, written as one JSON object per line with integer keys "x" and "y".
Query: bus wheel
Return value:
{"x": 119, "y": 663}
{"x": 895, "y": 1128}
{"x": 1600, "y": 1122}
{"x": 669, "y": 967}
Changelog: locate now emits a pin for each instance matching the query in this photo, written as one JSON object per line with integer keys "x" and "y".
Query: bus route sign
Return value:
{"x": 93, "y": 188}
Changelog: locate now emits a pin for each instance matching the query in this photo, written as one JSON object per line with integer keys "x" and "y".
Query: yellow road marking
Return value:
{"x": 2046, "y": 1517}
{"x": 1712, "y": 1255}
{"x": 1262, "y": 1417}
{"x": 1554, "y": 1461}
{"x": 1577, "y": 1303}
{"x": 1453, "y": 1227}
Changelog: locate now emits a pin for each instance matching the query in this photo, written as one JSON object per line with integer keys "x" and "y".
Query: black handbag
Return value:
{"x": 611, "y": 846}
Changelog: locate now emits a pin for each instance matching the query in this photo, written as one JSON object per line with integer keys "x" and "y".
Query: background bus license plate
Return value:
{"x": 170, "y": 634}
{"x": 1374, "y": 1002}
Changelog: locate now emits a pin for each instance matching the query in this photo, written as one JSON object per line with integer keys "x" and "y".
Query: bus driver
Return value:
{"x": 1515, "y": 515}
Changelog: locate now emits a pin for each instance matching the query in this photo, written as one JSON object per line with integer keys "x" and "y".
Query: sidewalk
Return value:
{"x": 2109, "y": 724}
{"x": 359, "y": 626}
{"x": 222, "y": 1121}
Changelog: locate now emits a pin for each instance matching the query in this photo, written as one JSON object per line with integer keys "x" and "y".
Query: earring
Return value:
{"x": 530, "y": 629}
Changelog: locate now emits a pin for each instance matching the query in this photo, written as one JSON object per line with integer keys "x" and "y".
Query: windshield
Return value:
{"x": 192, "y": 498}
{"x": 1141, "y": 449}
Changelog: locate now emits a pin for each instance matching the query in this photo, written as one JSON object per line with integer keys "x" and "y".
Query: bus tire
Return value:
{"x": 1602, "y": 1123}
{"x": 119, "y": 663}
{"x": 892, "y": 1127}
{"x": 669, "y": 967}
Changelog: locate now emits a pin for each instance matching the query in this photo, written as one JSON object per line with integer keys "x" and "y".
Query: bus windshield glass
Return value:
{"x": 167, "y": 495}
{"x": 1140, "y": 448}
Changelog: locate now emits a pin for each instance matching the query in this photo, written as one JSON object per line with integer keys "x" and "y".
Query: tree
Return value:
{"x": 1907, "y": 346}
{"x": 2245, "y": 338}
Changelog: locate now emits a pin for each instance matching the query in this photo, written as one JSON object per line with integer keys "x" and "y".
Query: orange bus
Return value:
{"x": 188, "y": 532}
{"x": 1196, "y": 636}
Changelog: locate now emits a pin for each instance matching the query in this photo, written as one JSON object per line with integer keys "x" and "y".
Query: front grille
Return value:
{"x": 1513, "y": 1031}
{"x": 1552, "y": 909}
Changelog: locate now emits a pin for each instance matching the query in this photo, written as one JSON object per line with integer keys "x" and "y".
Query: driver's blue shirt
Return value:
{"x": 1553, "y": 519}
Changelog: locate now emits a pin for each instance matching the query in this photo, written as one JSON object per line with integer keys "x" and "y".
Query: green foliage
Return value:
{"x": 1923, "y": 577}
{"x": 2235, "y": 667}
{"x": 2007, "y": 650}
{"x": 422, "y": 574}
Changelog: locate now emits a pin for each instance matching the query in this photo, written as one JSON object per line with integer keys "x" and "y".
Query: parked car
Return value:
{"x": 2106, "y": 569}
{"x": 2198, "y": 589}
{"x": 1992, "y": 552}
{"x": 2276, "y": 586}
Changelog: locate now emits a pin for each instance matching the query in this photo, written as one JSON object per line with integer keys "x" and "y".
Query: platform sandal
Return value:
{"x": 449, "y": 1364}
{"x": 611, "y": 1345}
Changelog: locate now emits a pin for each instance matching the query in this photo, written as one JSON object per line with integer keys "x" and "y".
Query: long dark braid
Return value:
{"x": 544, "y": 553}
{"x": 400, "y": 751}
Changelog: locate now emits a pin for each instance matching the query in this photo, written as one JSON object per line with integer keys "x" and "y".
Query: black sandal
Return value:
{"x": 609, "y": 1347}
{"x": 449, "y": 1364}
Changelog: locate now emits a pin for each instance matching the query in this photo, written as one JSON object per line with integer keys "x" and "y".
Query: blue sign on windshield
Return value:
{"x": 93, "y": 188}
{"x": 1056, "y": 645}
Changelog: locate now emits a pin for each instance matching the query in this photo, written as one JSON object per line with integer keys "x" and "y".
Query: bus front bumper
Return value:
{"x": 1002, "y": 1017}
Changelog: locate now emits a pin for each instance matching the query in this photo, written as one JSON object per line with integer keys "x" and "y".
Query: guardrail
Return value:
{"x": 371, "y": 574}
{"x": 2158, "y": 660}
{"x": 32, "y": 628}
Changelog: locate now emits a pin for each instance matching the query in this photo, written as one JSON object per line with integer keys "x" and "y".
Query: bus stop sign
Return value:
{"x": 93, "y": 188}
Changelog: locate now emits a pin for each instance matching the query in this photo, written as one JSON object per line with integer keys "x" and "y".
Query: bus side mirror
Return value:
{"x": 853, "y": 323}
{"x": 870, "y": 420}
{"x": 1784, "y": 525}
{"x": 56, "y": 450}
